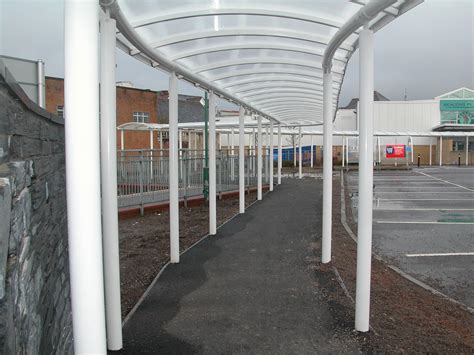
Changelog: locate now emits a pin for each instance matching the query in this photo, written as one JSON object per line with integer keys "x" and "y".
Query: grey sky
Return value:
{"x": 427, "y": 51}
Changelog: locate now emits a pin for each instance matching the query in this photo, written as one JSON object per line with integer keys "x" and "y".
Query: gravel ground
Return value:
{"x": 144, "y": 243}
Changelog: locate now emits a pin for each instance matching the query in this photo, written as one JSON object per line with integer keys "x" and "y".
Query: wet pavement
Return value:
{"x": 250, "y": 289}
{"x": 423, "y": 223}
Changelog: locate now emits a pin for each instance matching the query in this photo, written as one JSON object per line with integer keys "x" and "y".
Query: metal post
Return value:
{"x": 412, "y": 150}
{"x": 312, "y": 152}
{"x": 294, "y": 150}
{"x": 212, "y": 164}
{"x": 364, "y": 225}
{"x": 173, "y": 168}
{"x": 108, "y": 141}
{"x": 41, "y": 84}
{"x": 327, "y": 167}
{"x": 430, "y": 153}
{"x": 379, "y": 152}
{"x": 347, "y": 152}
{"x": 270, "y": 156}
{"x": 122, "y": 140}
{"x": 300, "y": 155}
{"x": 266, "y": 155}
{"x": 81, "y": 89}
{"x": 440, "y": 150}
{"x": 467, "y": 150}
{"x": 241, "y": 160}
{"x": 232, "y": 160}
{"x": 279, "y": 155}
{"x": 259, "y": 159}
{"x": 205, "y": 171}
{"x": 254, "y": 153}
{"x": 342, "y": 151}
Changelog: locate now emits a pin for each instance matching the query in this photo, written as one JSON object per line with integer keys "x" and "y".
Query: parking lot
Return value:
{"x": 423, "y": 223}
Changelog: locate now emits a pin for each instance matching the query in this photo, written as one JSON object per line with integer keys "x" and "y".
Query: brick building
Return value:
{"x": 135, "y": 105}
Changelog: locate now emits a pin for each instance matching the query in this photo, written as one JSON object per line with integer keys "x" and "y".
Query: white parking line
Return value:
{"x": 424, "y": 222}
{"x": 445, "y": 181}
{"x": 438, "y": 254}
{"x": 424, "y": 192}
{"x": 424, "y": 209}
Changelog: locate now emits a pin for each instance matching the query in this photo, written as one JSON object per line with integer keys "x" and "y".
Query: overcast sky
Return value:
{"x": 427, "y": 51}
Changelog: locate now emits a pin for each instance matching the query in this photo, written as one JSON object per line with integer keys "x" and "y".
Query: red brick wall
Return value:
{"x": 54, "y": 93}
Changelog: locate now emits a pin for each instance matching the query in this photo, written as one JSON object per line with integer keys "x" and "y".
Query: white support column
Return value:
{"x": 347, "y": 151}
{"x": 241, "y": 160}
{"x": 467, "y": 150}
{"x": 327, "y": 168}
{"x": 266, "y": 155}
{"x": 270, "y": 156}
{"x": 81, "y": 93}
{"x": 151, "y": 153}
{"x": 173, "y": 168}
{"x": 430, "y": 152}
{"x": 122, "y": 140}
{"x": 232, "y": 161}
{"x": 180, "y": 146}
{"x": 343, "y": 155}
{"x": 259, "y": 159}
{"x": 364, "y": 225}
{"x": 294, "y": 150}
{"x": 41, "y": 84}
{"x": 412, "y": 150}
{"x": 108, "y": 143}
{"x": 280, "y": 157}
{"x": 300, "y": 155}
{"x": 212, "y": 164}
{"x": 312, "y": 151}
{"x": 440, "y": 150}
{"x": 379, "y": 151}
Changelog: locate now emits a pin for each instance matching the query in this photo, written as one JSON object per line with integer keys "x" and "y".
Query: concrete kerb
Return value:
{"x": 155, "y": 280}
{"x": 392, "y": 267}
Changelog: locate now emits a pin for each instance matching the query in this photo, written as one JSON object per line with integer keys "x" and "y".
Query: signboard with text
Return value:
{"x": 395, "y": 151}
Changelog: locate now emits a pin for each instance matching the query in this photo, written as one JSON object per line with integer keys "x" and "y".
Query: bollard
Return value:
{"x": 459, "y": 159}
{"x": 419, "y": 160}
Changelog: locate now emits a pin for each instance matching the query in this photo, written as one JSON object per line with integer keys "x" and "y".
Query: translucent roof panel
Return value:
{"x": 266, "y": 55}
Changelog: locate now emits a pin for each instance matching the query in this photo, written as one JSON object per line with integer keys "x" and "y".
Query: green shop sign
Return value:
{"x": 456, "y": 105}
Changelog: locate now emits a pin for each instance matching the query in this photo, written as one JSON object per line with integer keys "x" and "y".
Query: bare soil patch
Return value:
{"x": 404, "y": 316}
{"x": 144, "y": 243}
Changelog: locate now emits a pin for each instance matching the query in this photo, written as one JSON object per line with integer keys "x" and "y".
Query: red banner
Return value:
{"x": 395, "y": 151}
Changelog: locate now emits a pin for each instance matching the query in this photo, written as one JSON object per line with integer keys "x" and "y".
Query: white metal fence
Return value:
{"x": 143, "y": 175}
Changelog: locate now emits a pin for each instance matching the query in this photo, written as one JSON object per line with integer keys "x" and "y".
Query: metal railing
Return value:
{"x": 143, "y": 175}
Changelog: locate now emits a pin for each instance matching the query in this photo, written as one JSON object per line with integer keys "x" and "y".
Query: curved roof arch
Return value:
{"x": 267, "y": 56}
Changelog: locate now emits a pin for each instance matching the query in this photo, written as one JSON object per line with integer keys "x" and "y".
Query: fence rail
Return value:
{"x": 143, "y": 175}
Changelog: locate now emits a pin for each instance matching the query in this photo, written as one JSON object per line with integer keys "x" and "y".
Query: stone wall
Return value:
{"x": 35, "y": 311}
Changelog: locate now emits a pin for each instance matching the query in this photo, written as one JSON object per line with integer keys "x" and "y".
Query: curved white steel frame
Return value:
{"x": 276, "y": 78}
{"x": 263, "y": 71}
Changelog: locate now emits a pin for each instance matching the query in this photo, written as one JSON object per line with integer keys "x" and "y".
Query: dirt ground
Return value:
{"x": 404, "y": 316}
{"x": 144, "y": 243}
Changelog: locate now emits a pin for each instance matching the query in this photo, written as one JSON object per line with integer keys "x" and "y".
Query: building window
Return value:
{"x": 141, "y": 117}
{"x": 60, "y": 111}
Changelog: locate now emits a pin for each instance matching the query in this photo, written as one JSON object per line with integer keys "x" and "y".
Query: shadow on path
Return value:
{"x": 250, "y": 289}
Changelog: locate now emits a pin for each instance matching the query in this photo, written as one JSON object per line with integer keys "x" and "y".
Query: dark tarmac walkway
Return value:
{"x": 250, "y": 289}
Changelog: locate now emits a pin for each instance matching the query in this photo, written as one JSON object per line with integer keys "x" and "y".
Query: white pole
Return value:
{"x": 327, "y": 168}
{"x": 173, "y": 167}
{"x": 270, "y": 157}
{"x": 108, "y": 141}
{"x": 312, "y": 152}
{"x": 254, "y": 148}
{"x": 379, "y": 151}
{"x": 212, "y": 164}
{"x": 364, "y": 225}
{"x": 300, "y": 155}
{"x": 81, "y": 93}
{"x": 122, "y": 140}
{"x": 266, "y": 155}
{"x": 467, "y": 150}
{"x": 440, "y": 150}
{"x": 294, "y": 150}
{"x": 151, "y": 153}
{"x": 259, "y": 159}
{"x": 41, "y": 85}
{"x": 232, "y": 167}
{"x": 241, "y": 160}
{"x": 280, "y": 157}
{"x": 180, "y": 145}
{"x": 412, "y": 150}
{"x": 347, "y": 151}
{"x": 343, "y": 153}
{"x": 430, "y": 152}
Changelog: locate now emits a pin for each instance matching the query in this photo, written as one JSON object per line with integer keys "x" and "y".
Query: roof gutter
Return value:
{"x": 129, "y": 32}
